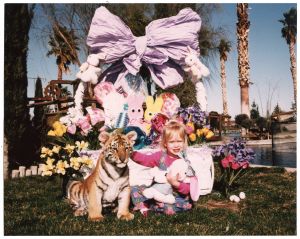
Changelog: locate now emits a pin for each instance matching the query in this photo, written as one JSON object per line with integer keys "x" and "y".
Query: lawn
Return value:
{"x": 34, "y": 206}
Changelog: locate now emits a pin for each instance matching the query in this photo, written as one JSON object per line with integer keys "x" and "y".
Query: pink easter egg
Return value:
{"x": 170, "y": 105}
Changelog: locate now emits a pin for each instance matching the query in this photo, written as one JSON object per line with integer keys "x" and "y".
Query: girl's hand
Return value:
{"x": 173, "y": 180}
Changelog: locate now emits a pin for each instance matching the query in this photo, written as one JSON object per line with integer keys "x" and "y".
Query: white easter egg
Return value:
{"x": 236, "y": 199}
{"x": 231, "y": 198}
{"x": 242, "y": 195}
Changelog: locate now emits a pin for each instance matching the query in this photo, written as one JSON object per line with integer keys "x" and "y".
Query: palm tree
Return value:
{"x": 224, "y": 48}
{"x": 243, "y": 57}
{"x": 289, "y": 32}
{"x": 64, "y": 46}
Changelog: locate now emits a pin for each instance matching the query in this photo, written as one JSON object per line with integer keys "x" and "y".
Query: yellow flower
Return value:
{"x": 44, "y": 150}
{"x": 47, "y": 168}
{"x": 74, "y": 163}
{"x": 209, "y": 134}
{"x": 51, "y": 133}
{"x": 205, "y": 131}
{"x": 81, "y": 145}
{"x": 69, "y": 148}
{"x": 50, "y": 161}
{"x": 192, "y": 137}
{"x": 199, "y": 132}
{"x": 56, "y": 149}
{"x": 59, "y": 132}
{"x": 87, "y": 161}
{"x": 59, "y": 129}
{"x": 61, "y": 167}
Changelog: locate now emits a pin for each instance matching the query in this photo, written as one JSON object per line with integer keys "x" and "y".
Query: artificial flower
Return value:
{"x": 209, "y": 134}
{"x": 192, "y": 137}
{"x": 69, "y": 148}
{"x": 81, "y": 145}
{"x": 234, "y": 159}
{"x": 74, "y": 163}
{"x": 199, "y": 132}
{"x": 51, "y": 133}
{"x": 56, "y": 149}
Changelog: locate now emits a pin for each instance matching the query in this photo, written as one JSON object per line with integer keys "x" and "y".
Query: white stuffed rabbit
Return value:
{"x": 89, "y": 70}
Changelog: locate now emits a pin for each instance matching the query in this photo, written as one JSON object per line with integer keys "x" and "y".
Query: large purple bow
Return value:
{"x": 162, "y": 49}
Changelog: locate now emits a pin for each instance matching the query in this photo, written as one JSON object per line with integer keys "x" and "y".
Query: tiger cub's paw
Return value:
{"x": 127, "y": 217}
{"x": 80, "y": 212}
{"x": 96, "y": 219}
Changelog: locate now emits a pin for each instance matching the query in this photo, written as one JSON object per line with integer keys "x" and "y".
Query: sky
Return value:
{"x": 268, "y": 56}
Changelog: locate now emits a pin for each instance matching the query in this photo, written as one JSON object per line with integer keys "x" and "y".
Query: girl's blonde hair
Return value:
{"x": 171, "y": 128}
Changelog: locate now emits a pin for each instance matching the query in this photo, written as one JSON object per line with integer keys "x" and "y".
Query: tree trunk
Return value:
{"x": 243, "y": 57}
{"x": 223, "y": 86}
{"x": 59, "y": 73}
{"x": 5, "y": 160}
{"x": 245, "y": 100}
{"x": 293, "y": 69}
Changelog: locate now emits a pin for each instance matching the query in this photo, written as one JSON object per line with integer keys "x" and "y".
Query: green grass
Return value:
{"x": 33, "y": 206}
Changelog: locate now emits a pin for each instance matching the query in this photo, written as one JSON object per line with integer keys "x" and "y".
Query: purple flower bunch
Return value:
{"x": 193, "y": 114}
{"x": 237, "y": 148}
{"x": 234, "y": 159}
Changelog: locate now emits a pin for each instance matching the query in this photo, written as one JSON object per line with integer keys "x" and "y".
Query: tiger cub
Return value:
{"x": 108, "y": 183}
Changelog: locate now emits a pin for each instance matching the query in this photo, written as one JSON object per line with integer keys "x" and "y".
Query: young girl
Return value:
{"x": 173, "y": 144}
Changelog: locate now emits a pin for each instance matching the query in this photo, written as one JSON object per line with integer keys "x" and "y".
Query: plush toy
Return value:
{"x": 162, "y": 190}
{"x": 171, "y": 104}
{"x": 136, "y": 111}
{"x": 89, "y": 70}
{"x": 113, "y": 104}
{"x": 194, "y": 66}
{"x": 141, "y": 140}
{"x": 157, "y": 124}
{"x": 153, "y": 107}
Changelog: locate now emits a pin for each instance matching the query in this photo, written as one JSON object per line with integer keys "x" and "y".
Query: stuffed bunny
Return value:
{"x": 153, "y": 107}
{"x": 162, "y": 190}
{"x": 89, "y": 70}
{"x": 194, "y": 66}
{"x": 136, "y": 111}
{"x": 112, "y": 109}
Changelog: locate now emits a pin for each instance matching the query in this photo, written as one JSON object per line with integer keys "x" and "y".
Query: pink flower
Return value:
{"x": 225, "y": 163}
{"x": 189, "y": 129}
{"x": 71, "y": 129}
{"x": 230, "y": 158}
{"x": 84, "y": 124}
{"x": 235, "y": 165}
{"x": 95, "y": 115}
{"x": 244, "y": 164}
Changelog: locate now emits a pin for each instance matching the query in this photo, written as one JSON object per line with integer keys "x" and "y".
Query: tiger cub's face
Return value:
{"x": 117, "y": 147}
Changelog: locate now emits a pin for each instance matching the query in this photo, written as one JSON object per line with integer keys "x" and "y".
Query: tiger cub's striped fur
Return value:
{"x": 109, "y": 182}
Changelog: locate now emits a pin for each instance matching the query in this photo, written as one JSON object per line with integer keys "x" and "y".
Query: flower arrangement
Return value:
{"x": 70, "y": 136}
{"x": 66, "y": 160}
{"x": 234, "y": 158}
{"x": 196, "y": 123}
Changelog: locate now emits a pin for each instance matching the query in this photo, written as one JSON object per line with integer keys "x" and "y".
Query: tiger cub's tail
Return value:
{"x": 77, "y": 197}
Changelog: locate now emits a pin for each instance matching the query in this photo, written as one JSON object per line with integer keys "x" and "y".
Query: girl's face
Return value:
{"x": 175, "y": 144}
